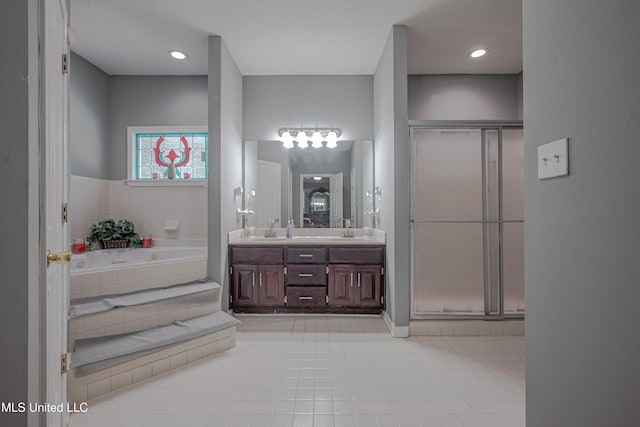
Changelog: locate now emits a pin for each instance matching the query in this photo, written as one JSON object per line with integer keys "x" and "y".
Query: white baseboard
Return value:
{"x": 396, "y": 331}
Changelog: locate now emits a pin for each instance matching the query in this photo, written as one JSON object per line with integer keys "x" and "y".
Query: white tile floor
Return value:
{"x": 331, "y": 371}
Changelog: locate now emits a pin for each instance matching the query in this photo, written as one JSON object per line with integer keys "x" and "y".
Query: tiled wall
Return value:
{"x": 92, "y": 200}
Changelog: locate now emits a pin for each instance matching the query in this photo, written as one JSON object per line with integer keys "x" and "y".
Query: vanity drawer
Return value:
{"x": 306, "y": 255}
{"x": 357, "y": 255}
{"x": 306, "y": 274}
{"x": 306, "y": 296}
{"x": 244, "y": 255}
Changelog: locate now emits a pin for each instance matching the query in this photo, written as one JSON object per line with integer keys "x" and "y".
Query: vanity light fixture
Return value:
{"x": 478, "y": 53}
{"x": 301, "y": 137}
{"x": 176, "y": 54}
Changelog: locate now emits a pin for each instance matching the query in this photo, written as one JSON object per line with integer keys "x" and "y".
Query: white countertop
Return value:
{"x": 308, "y": 236}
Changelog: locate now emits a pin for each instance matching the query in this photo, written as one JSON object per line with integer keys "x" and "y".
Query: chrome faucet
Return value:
{"x": 270, "y": 232}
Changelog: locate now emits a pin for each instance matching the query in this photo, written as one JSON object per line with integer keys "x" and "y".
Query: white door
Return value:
{"x": 54, "y": 101}
{"x": 268, "y": 197}
{"x": 335, "y": 199}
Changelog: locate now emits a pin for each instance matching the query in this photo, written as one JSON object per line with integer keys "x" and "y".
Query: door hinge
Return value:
{"x": 382, "y": 271}
{"x": 382, "y": 300}
{"x": 65, "y": 213}
{"x": 230, "y": 299}
{"x": 65, "y": 363}
{"x": 65, "y": 63}
{"x": 326, "y": 299}
{"x": 230, "y": 270}
{"x": 327, "y": 270}
{"x": 285, "y": 299}
{"x": 285, "y": 271}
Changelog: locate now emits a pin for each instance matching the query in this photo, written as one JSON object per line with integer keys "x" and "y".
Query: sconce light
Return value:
{"x": 237, "y": 192}
{"x": 330, "y": 135}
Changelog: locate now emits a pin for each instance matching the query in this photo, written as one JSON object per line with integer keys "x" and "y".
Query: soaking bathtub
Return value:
{"x": 117, "y": 271}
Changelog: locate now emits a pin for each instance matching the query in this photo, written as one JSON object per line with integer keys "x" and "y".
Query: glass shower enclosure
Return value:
{"x": 467, "y": 220}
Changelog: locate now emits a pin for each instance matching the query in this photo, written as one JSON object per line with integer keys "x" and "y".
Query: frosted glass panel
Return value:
{"x": 448, "y": 268}
{"x": 512, "y": 174}
{"x": 447, "y": 175}
{"x": 513, "y": 257}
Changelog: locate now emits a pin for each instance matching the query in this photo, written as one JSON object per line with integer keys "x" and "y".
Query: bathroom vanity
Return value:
{"x": 307, "y": 274}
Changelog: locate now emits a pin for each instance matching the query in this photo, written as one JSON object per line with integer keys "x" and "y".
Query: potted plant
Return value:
{"x": 113, "y": 234}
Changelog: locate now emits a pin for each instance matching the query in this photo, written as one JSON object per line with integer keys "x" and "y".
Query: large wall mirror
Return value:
{"x": 316, "y": 188}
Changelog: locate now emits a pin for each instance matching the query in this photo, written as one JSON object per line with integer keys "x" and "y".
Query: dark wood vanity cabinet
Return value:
{"x": 257, "y": 277}
{"x": 358, "y": 286}
{"x": 321, "y": 279}
{"x": 258, "y": 285}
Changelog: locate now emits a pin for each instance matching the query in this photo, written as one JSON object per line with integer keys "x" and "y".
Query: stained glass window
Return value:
{"x": 171, "y": 155}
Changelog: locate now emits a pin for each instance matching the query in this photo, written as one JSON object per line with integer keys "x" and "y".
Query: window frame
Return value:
{"x": 133, "y": 131}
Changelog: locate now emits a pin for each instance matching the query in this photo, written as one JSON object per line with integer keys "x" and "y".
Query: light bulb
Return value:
{"x": 316, "y": 140}
{"x": 287, "y": 139}
{"x": 332, "y": 139}
{"x": 302, "y": 139}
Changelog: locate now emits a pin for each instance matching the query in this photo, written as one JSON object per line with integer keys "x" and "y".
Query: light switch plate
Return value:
{"x": 553, "y": 159}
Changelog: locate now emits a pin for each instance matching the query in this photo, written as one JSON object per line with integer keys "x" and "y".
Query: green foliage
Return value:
{"x": 110, "y": 230}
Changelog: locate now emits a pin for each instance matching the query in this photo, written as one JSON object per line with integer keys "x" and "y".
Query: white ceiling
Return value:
{"x": 297, "y": 37}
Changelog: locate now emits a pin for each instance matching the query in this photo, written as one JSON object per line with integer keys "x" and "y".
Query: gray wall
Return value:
{"x": 152, "y": 101}
{"x": 89, "y": 104}
{"x": 463, "y": 97}
{"x": 582, "y": 278}
{"x": 20, "y": 253}
{"x": 272, "y": 102}
{"x": 520, "y": 95}
{"x": 392, "y": 168}
{"x": 225, "y": 157}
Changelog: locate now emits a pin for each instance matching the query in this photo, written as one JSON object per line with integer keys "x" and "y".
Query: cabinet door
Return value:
{"x": 244, "y": 279}
{"x": 368, "y": 284}
{"x": 341, "y": 281}
{"x": 271, "y": 285}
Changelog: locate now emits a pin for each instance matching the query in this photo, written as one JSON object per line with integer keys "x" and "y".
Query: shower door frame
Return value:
{"x": 483, "y": 126}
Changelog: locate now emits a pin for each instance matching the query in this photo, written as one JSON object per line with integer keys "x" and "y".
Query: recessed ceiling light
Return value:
{"x": 317, "y": 178}
{"x": 478, "y": 53}
{"x": 176, "y": 54}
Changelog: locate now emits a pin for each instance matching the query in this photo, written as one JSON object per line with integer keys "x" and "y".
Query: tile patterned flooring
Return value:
{"x": 331, "y": 371}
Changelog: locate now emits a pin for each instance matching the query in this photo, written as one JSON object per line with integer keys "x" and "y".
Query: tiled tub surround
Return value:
{"x": 126, "y": 320}
{"x": 81, "y": 388}
{"x": 100, "y": 276}
{"x": 149, "y": 208}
